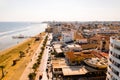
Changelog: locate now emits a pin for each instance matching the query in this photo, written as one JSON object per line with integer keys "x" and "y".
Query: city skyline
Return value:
{"x": 59, "y": 10}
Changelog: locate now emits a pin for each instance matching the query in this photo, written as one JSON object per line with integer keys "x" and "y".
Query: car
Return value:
{"x": 48, "y": 62}
{"x": 49, "y": 65}
{"x": 54, "y": 78}
{"x": 49, "y": 59}
{"x": 40, "y": 77}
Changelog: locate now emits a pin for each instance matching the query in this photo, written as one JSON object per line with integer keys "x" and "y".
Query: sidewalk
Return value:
{"x": 43, "y": 66}
{"x": 28, "y": 69}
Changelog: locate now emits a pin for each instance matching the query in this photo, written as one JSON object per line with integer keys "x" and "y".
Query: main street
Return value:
{"x": 43, "y": 65}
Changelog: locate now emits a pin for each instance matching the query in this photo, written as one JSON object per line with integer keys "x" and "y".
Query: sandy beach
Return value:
{"x": 7, "y": 56}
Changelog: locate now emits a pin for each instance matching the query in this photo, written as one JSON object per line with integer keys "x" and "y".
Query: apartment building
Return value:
{"x": 67, "y": 36}
{"x": 113, "y": 72}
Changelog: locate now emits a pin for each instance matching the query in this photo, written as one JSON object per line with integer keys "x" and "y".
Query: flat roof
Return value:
{"x": 57, "y": 45}
{"x": 77, "y": 70}
{"x": 73, "y": 45}
{"x": 82, "y": 40}
{"x": 73, "y": 55}
{"x": 59, "y": 63}
{"x": 74, "y": 70}
{"x": 57, "y": 48}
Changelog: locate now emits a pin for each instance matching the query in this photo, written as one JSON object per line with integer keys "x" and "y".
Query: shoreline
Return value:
{"x": 6, "y": 40}
{"x": 8, "y": 55}
{"x": 16, "y": 45}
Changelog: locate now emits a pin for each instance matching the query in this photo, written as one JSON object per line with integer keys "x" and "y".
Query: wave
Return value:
{"x": 13, "y": 31}
{"x": 3, "y": 37}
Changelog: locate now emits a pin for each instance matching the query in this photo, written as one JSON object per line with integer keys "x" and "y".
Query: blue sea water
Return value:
{"x": 9, "y": 29}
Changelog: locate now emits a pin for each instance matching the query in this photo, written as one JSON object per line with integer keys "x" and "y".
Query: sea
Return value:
{"x": 10, "y": 29}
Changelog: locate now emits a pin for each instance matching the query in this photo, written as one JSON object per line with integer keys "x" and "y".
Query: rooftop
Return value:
{"x": 59, "y": 63}
{"x": 73, "y": 45}
{"x": 72, "y": 56}
{"x": 77, "y": 70}
{"x": 66, "y": 32}
{"x": 57, "y": 45}
{"x": 57, "y": 48}
{"x": 115, "y": 37}
{"x": 74, "y": 70}
{"x": 104, "y": 54}
{"x": 96, "y": 62}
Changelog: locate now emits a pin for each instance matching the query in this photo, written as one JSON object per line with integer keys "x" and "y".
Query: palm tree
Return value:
{"x": 31, "y": 76}
{"x": 35, "y": 66}
{"x": 2, "y": 67}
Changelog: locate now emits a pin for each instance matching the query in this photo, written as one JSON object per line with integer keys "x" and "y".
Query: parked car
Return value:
{"x": 40, "y": 76}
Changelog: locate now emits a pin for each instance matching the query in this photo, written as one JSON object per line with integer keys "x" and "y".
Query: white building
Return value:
{"x": 106, "y": 30}
{"x": 82, "y": 41}
{"x": 73, "y": 47}
{"x": 113, "y": 72}
{"x": 67, "y": 36}
{"x": 57, "y": 48}
{"x": 56, "y": 30}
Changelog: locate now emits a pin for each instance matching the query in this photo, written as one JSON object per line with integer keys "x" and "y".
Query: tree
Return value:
{"x": 31, "y": 76}
{"x": 28, "y": 44}
{"x": 35, "y": 66}
{"x": 42, "y": 48}
{"x": 38, "y": 61}
{"x": 2, "y": 67}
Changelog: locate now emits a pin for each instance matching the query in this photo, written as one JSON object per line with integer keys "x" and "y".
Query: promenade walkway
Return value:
{"x": 43, "y": 66}
{"x": 28, "y": 69}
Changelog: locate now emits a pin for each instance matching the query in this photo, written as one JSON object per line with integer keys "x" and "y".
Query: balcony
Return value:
{"x": 115, "y": 68}
{"x": 115, "y": 40}
{"x": 113, "y": 74}
{"x": 115, "y": 59}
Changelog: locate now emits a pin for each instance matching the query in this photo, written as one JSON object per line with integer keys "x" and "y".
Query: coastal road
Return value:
{"x": 28, "y": 69}
{"x": 43, "y": 65}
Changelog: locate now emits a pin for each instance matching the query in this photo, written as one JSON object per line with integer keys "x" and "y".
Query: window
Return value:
{"x": 115, "y": 63}
{"x": 115, "y": 55}
{"x": 111, "y": 44}
{"x": 117, "y": 47}
{"x": 114, "y": 71}
{"x": 119, "y": 57}
{"x": 114, "y": 78}
{"x": 111, "y": 52}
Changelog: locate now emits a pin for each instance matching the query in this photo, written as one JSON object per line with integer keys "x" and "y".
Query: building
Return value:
{"x": 56, "y": 29}
{"x": 67, "y": 36}
{"x": 57, "y": 65}
{"x": 62, "y": 71}
{"x": 73, "y": 47}
{"x": 49, "y": 29}
{"x": 58, "y": 50}
{"x": 97, "y": 63}
{"x": 82, "y": 41}
{"x": 75, "y": 58}
{"x": 107, "y": 31}
{"x": 113, "y": 72}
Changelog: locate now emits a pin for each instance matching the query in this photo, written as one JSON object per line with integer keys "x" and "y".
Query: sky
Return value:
{"x": 59, "y": 10}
